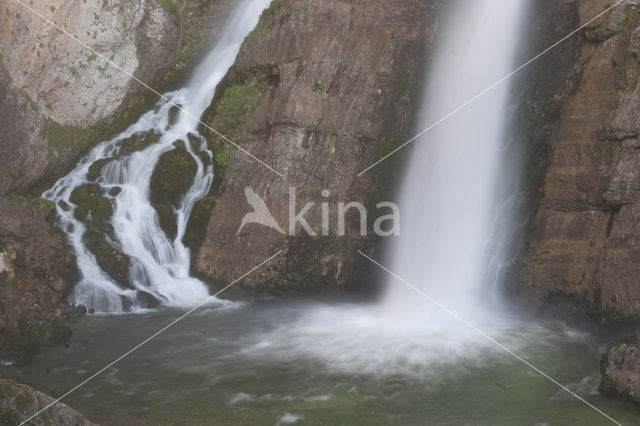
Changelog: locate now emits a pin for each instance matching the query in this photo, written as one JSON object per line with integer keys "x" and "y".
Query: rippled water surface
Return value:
{"x": 295, "y": 360}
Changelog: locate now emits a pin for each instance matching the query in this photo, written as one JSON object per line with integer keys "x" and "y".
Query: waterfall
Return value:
{"x": 158, "y": 269}
{"x": 454, "y": 185}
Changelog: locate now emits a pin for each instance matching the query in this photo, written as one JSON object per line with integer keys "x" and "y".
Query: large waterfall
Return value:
{"x": 119, "y": 181}
{"x": 457, "y": 216}
{"x": 453, "y": 181}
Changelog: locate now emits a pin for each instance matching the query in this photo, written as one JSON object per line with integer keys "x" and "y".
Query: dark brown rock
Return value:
{"x": 36, "y": 273}
{"x": 583, "y": 241}
{"x": 325, "y": 89}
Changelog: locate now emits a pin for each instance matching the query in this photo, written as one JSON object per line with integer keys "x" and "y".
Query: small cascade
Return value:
{"x": 126, "y": 259}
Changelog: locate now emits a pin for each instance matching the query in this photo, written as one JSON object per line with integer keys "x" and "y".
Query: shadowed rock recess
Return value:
{"x": 319, "y": 91}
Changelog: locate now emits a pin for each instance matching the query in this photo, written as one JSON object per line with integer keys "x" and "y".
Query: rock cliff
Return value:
{"x": 582, "y": 246}
{"x": 319, "y": 91}
{"x": 58, "y": 98}
{"x": 583, "y": 240}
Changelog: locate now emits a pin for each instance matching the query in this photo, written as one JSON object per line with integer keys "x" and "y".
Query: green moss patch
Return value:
{"x": 607, "y": 148}
{"x": 50, "y": 334}
{"x": 232, "y": 113}
{"x": 306, "y": 141}
{"x": 88, "y": 198}
{"x": 319, "y": 88}
{"x": 60, "y": 135}
{"x": 267, "y": 21}
{"x": 110, "y": 260}
{"x": 198, "y": 221}
{"x": 138, "y": 142}
{"x": 95, "y": 170}
{"x": 171, "y": 7}
{"x": 173, "y": 176}
{"x": 236, "y": 104}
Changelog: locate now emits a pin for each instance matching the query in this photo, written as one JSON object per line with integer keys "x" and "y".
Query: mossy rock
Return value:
{"x": 16, "y": 344}
{"x": 205, "y": 158}
{"x": 138, "y": 142}
{"x": 50, "y": 334}
{"x": 237, "y": 103}
{"x": 167, "y": 219}
{"x": 89, "y": 199}
{"x": 95, "y": 170}
{"x": 173, "y": 115}
{"x": 146, "y": 300}
{"x": 198, "y": 221}
{"x": 110, "y": 260}
{"x": 173, "y": 176}
{"x": 195, "y": 142}
{"x": 20, "y": 343}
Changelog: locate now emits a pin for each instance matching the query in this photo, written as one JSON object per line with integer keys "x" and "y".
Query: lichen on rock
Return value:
{"x": 19, "y": 402}
{"x": 620, "y": 369}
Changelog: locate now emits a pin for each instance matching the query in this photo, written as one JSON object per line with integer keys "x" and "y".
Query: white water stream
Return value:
{"x": 159, "y": 266}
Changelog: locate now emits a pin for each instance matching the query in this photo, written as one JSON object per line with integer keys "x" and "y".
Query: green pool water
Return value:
{"x": 308, "y": 362}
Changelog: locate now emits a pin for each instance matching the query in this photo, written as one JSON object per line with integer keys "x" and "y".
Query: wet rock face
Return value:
{"x": 620, "y": 370}
{"x": 320, "y": 91}
{"x": 584, "y": 238}
{"x": 36, "y": 273}
{"x": 18, "y": 402}
{"x": 58, "y": 97}
{"x": 171, "y": 179}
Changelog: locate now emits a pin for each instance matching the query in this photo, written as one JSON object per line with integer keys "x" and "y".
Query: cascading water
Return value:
{"x": 450, "y": 190}
{"x": 159, "y": 266}
{"x": 450, "y": 246}
{"x": 394, "y": 362}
